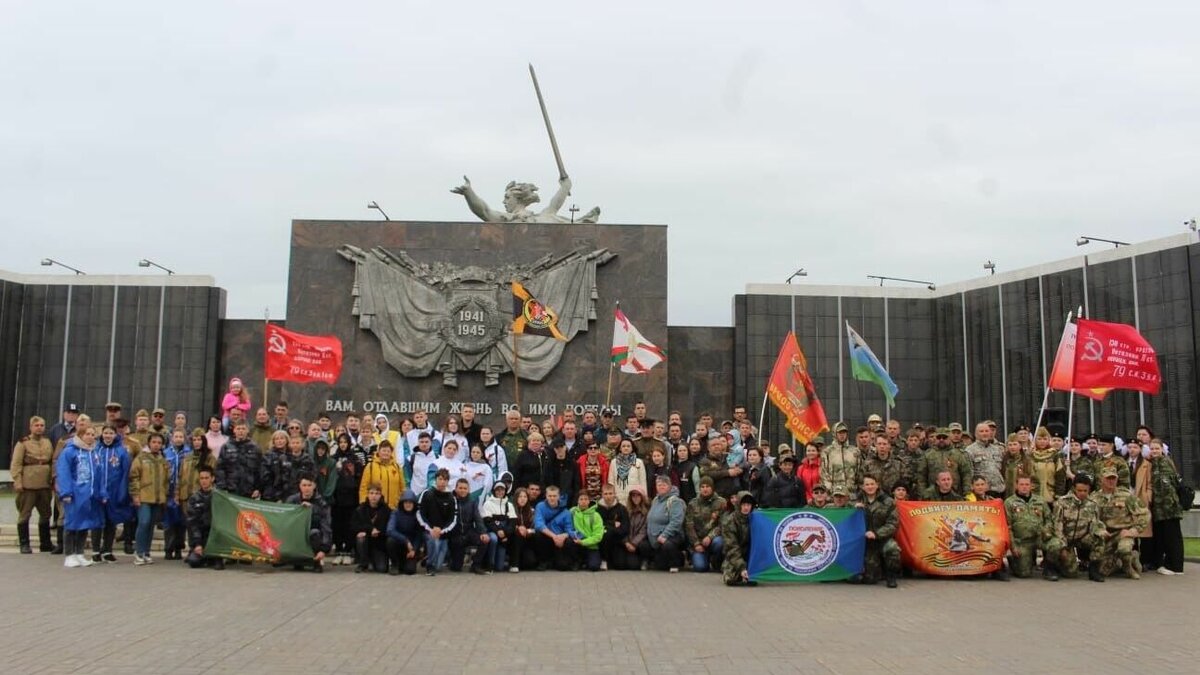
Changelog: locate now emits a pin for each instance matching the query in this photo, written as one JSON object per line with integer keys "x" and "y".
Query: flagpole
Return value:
{"x": 266, "y": 323}
{"x": 1046, "y": 395}
{"x": 516, "y": 371}
{"x": 762, "y": 416}
{"x": 608, "y": 395}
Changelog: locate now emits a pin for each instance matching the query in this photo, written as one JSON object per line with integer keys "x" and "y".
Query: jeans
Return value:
{"x": 435, "y": 552}
{"x": 147, "y": 518}
{"x": 713, "y": 553}
{"x": 497, "y": 553}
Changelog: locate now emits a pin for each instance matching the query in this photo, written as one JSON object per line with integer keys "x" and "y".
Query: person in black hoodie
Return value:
{"x": 616, "y": 529}
{"x": 437, "y": 511}
{"x": 345, "y": 500}
{"x": 562, "y": 471}
{"x": 320, "y": 532}
{"x": 529, "y": 465}
{"x": 471, "y": 531}
{"x": 240, "y": 465}
{"x": 784, "y": 490}
{"x": 405, "y": 538}
{"x": 200, "y": 521}
{"x": 522, "y": 552}
{"x": 370, "y": 532}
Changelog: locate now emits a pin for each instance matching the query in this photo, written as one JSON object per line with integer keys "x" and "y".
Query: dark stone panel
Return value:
{"x": 241, "y": 350}
{"x": 12, "y": 421}
{"x": 701, "y": 376}
{"x": 319, "y": 301}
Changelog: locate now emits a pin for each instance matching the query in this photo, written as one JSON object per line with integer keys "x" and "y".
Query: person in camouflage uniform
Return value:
{"x": 956, "y": 436}
{"x": 840, "y": 462}
{"x": 987, "y": 459}
{"x": 887, "y": 470}
{"x": 702, "y": 526}
{"x": 910, "y": 453}
{"x": 1016, "y": 463}
{"x": 1030, "y": 527}
{"x": 943, "y": 489}
{"x": 882, "y": 552}
{"x": 735, "y": 527}
{"x": 1107, "y": 459}
{"x": 1085, "y": 461}
{"x": 940, "y": 458}
{"x": 1124, "y": 516}
{"x": 1078, "y": 526}
{"x": 1049, "y": 478}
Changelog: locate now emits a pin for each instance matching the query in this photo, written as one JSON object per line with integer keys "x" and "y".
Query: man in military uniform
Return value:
{"x": 910, "y": 453}
{"x": 882, "y": 551}
{"x": 987, "y": 459}
{"x": 942, "y": 489}
{"x": 735, "y": 528}
{"x": 892, "y": 429}
{"x": 956, "y": 436}
{"x": 702, "y": 524}
{"x": 1124, "y": 517}
{"x": 874, "y": 424}
{"x": 887, "y": 470}
{"x": 31, "y": 469}
{"x": 840, "y": 462}
{"x": 940, "y": 458}
{"x": 141, "y": 430}
{"x": 158, "y": 422}
{"x": 841, "y": 496}
{"x": 841, "y": 435}
{"x": 1078, "y": 526}
{"x": 1107, "y": 458}
{"x": 1031, "y": 527}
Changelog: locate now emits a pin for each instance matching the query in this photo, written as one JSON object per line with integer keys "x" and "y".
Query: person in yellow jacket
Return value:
{"x": 383, "y": 470}
{"x": 149, "y": 490}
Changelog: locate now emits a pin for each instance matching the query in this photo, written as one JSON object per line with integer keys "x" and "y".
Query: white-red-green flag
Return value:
{"x": 631, "y": 351}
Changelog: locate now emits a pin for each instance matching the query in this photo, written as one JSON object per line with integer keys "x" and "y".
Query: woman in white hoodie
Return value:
{"x": 500, "y": 518}
{"x": 452, "y": 431}
{"x": 479, "y": 475}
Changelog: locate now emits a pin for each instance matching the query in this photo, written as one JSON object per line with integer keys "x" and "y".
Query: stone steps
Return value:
{"x": 8, "y": 539}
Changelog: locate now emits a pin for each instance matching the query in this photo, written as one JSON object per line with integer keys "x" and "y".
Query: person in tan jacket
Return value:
{"x": 1139, "y": 473}
{"x": 148, "y": 488}
{"x": 31, "y": 468}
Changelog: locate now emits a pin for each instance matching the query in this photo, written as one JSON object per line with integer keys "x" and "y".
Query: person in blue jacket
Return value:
{"x": 110, "y": 466}
{"x": 405, "y": 536}
{"x": 75, "y": 483}
{"x": 556, "y": 533}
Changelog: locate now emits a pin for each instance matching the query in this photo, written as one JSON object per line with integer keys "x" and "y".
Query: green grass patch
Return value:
{"x": 1191, "y": 547}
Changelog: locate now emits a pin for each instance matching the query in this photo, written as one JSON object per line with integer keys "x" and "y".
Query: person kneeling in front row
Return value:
{"x": 320, "y": 531}
{"x": 405, "y": 537}
{"x": 556, "y": 535}
{"x": 200, "y": 522}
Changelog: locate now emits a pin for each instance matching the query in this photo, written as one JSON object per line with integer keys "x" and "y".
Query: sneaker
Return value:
{"x": 673, "y": 570}
{"x": 138, "y": 559}
{"x": 514, "y": 569}
{"x": 96, "y": 558}
{"x": 84, "y": 561}
{"x": 71, "y": 561}
{"x": 1165, "y": 572}
{"x": 109, "y": 557}
{"x": 428, "y": 572}
{"x": 149, "y": 560}
{"x": 603, "y": 565}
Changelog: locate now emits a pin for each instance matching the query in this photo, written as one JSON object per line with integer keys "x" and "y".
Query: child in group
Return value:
{"x": 236, "y": 397}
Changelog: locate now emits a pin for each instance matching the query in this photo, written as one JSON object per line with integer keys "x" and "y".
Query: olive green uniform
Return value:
{"x": 1031, "y": 527}
{"x": 887, "y": 472}
{"x": 935, "y": 460}
{"x": 1120, "y": 510}
{"x": 882, "y": 554}
{"x": 840, "y": 465}
{"x": 735, "y": 529}
{"x": 1078, "y": 526}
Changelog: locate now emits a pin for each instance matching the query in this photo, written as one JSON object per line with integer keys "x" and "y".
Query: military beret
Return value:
{"x": 1106, "y": 438}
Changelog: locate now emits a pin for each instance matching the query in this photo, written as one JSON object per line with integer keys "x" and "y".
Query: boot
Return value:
{"x": 58, "y": 541}
{"x": 1049, "y": 572}
{"x": 891, "y": 579}
{"x": 44, "y": 543}
{"x": 1001, "y": 574}
{"x": 1094, "y": 572}
{"x": 23, "y": 537}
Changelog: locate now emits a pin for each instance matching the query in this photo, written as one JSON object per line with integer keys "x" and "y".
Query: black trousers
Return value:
{"x": 591, "y": 558}
{"x": 560, "y": 558}
{"x": 522, "y": 552}
{"x": 612, "y": 547}
{"x": 371, "y": 552}
{"x": 397, "y": 552}
{"x": 458, "y": 552}
{"x": 1149, "y": 554}
{"x": 667, "y": 555}
{"x": 343, "y": 534}
{"x": 102, "y": 538}
{"x": 1168, "y": 540}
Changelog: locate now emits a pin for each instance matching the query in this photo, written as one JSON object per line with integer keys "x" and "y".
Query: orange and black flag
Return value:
{"x": 531, "y": 317}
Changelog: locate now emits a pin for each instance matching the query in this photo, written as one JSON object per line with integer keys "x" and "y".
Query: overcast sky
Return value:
{"x": 912, "y": 139}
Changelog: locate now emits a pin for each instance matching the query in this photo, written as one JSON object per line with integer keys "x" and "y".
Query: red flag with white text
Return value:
{"x": 296, "y": 357}
{"x": 1062, "y": 375}
{"x": 1114, "y": 355}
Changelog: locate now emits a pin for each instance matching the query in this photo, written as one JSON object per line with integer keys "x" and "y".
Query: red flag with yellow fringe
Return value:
{"x": 791, "y": 390}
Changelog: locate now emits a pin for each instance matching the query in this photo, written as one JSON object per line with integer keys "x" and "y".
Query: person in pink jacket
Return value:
{"x": 236, "y": 397}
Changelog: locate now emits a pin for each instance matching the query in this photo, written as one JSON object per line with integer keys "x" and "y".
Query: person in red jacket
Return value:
{"x": 809, "y": 472}
{"x": 593, "y": 471}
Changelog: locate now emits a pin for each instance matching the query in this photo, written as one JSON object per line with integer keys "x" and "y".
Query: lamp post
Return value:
{"x": 928, "y": 284}
{"x": 1087, "y": 239}
{"x": 47, "y": 262}
{"x": 990, "y": 266}
{"x": 792, "y": 296}
{"x": 146, "y": 262}
{"x": 375, "y": 205}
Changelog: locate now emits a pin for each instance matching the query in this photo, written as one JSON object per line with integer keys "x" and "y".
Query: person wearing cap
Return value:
{"x": 840, "y": 461}
{"x": 820, "y": 497}
{"x": 956, "y": 436}
{"x": 562, "y": 470}
{"x": 664, "y": 525}
{"x": 236, "y": 398}
{"x": 875, "y": 424}
{"x": 987, "y": 459}
{"x": 158, "y": 421}
{"x": 370, "y": 531}
{"x": 1049, "y": 478}
{"x": 1031, "y": 528}
{"x": 141, "y": 431}
{"x": 702, "y": 525}
{"x": 882, "y": 554}
{"x": 887, "y": 470}
{"x": 1016, "y": 463}
{"x": 65, "y": 427}
{"x": 31, "y": 470}
{"x": 500, "y": 519}
{"x": 1107, "y": 458}
{"x": 784, "y": 490}
{"x": 943, "y": 457}
{"x": 841, "y": 435}
{"x": 841, "y": 496}
{"x": 1124, "y": 517}
{"x": 112, "y": 410}
{"x": 1078, "y": 526}
{"x": 736, "y": 529}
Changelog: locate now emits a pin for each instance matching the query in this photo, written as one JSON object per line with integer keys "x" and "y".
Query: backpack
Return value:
{"x": 1187, "y": 494}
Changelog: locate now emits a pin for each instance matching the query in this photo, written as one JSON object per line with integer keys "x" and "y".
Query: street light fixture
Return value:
{"x": 798, "y": 273}
{"x": 375, "y": 205}
{"x": 46, "y": 262}
{"x": 990, "y": 266}
{"x": 1087, "y": 239}
{"x": 928, "y": 284}
{"x": 146, "y": 262}
{"x": 1190, "y": 224}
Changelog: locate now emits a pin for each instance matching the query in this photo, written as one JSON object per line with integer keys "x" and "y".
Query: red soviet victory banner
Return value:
{"x": 296, "y": 357}
{"x": 791, "y": 390}
{"x": 952, "y": 538}
{"x": 1062, "y": 375}
{"x": 1114, "y": 355}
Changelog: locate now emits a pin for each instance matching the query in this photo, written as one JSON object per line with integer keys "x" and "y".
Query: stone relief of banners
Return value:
{"x": 454, "y": 318}
{"x": 952, "y": 538}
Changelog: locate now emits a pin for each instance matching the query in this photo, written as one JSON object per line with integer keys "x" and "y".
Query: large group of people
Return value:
{"x": 590, "y": 491}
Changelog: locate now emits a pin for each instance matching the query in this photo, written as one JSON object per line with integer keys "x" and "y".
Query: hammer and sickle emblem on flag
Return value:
{"x": 1092, "y": 350}
{"x": 276, "y": 344}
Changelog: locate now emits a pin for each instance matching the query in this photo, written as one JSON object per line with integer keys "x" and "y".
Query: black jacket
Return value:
{"x": 320, "y": 529}
{"x": 529, "y": 468}
{"x": 199, "y": 517}
{"x": 617, "y": 513}
{"x": 367, "y": 518}
{"x": 564, "y": 473}
{"x": 240, "y": 468}
{"x": 783, "y": 492}
{"x": 437, "y": 509}
{"x": 470, "y": 519}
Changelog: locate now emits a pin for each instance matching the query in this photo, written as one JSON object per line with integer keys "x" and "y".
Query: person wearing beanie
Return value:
{"x": 736, "y": 527}
{"x": 703, "y": 527}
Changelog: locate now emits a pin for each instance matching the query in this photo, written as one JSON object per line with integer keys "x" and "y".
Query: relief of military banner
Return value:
{"x": 952, "y": 538}
{"x": 449, "y": 319}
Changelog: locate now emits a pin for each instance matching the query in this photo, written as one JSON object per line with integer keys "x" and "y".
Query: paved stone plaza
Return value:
{"x": 160, "y": 619}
